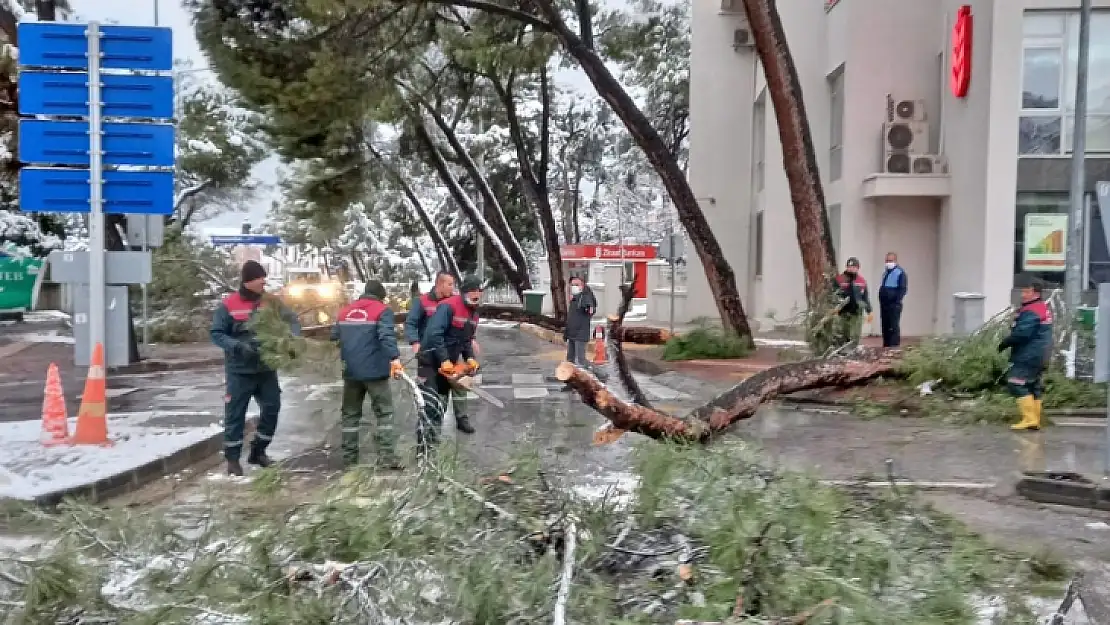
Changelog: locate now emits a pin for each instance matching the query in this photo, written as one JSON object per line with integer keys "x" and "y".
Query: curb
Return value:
{"x": 157, "y": 366}
{"x": 542, "y": 333}
{"x": 133, "y": 479}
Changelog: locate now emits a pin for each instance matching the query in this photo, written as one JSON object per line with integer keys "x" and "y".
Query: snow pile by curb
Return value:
{"x": 29, "y": 470}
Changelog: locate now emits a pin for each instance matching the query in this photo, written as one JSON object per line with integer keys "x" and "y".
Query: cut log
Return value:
{"x": 644, "y": 335}
{"x": 736, "y": 404}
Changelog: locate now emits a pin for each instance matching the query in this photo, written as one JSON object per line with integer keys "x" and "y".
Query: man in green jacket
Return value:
{"x": 1030, "y": 345}
{"x": 247, "y": 376}
{"x": 855, "y": 301}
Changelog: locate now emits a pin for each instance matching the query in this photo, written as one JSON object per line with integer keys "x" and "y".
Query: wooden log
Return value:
{"x": 644, "y": 335}
{"x": 738, "y": 403}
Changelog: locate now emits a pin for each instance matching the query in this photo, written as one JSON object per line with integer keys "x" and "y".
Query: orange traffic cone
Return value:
{"x": 92, "y": 418}
{"x": 599, "y": 346}
{"x": 55, "y": 423}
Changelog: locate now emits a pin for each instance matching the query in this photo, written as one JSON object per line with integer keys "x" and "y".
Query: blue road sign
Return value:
{"x": 52, "y": 142}
{"x": 49, "y": 190}
{"x": 65, "y": 46}
{"x": 245, "y": 239}
{"x": 122, "y": 95}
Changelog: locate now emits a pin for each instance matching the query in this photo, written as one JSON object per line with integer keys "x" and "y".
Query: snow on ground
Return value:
{"x": 45, "y": 316}
{"x": 40, "y": 337}
{"x": 780, "y": 343}
{"x": 29, "y": 470}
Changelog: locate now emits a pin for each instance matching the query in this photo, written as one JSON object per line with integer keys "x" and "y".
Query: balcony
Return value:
{"x": 878, "y": 186}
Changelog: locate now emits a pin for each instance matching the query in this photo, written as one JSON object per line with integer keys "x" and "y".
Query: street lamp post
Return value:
{"x": 1073, "y": 272}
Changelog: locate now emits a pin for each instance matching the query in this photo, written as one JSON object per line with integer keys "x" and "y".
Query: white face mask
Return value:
{"x": 891, "y": 265}
{"x": 575, "y": 289}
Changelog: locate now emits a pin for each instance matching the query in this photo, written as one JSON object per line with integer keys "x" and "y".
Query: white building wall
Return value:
{"x": 963, "y": 242}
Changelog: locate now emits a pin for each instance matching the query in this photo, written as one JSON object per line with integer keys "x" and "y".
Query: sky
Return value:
{"x": 172, "y": 14}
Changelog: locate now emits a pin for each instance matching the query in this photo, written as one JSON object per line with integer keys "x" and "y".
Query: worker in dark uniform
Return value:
{"x": 446, "y": 351}
{"x": 367, "y": 339}
{"x": 1030, "y": 345}
{"x": 421, "y": 310}
{"x": 855, "y": 301}
{"x": 247, "y": 376}
{"x": 892, "y": 290}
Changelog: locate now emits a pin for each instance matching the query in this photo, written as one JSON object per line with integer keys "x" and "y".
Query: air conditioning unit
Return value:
{"x": 928, "y": 164}
{"x": 742, "y": 39}
{"x": 906, "y": 111}
{"x": 901, "y": 142}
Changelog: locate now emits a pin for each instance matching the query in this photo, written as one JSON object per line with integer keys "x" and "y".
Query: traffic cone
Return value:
{"x": 92, "y": 418}
{"x": 599, "y": 346}
{"x": 55, "y": 423}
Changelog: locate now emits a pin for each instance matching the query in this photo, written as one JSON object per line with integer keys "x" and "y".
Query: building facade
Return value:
{"x": 968, "y": 186}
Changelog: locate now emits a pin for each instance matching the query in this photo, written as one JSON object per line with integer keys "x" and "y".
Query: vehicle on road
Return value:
{"x": 315, "y": 297}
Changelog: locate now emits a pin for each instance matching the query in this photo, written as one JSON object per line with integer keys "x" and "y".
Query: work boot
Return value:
{"x": 1039, "y": 403}
{"x": 462, "y": 423}
{"x": 234, "y": 468}
{"x": 1030, "y": 418}
{"x": 259, "y": 458}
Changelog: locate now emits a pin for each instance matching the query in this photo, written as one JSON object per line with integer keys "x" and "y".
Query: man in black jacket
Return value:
{"x": 580, "y": 310}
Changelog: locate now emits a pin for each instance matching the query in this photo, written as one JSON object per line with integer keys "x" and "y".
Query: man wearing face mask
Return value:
{"x": 446, "y": 351}
{"x": 855, "y": 301}
{"x": 892, "y": 290}
{"x": 580, "y": 310}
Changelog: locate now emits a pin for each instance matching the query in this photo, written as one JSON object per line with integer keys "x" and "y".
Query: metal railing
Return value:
{"x": 501, "y": 296}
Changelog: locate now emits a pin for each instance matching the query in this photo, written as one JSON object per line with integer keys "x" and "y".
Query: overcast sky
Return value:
{"x": 171, "y": 13}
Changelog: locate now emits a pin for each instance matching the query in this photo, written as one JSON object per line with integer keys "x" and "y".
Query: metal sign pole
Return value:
{"x": 97, "y": 286}
{"x": 670, "y": 260}
{"x": 1072, "y": 276}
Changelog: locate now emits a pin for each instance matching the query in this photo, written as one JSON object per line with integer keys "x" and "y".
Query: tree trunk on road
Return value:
{"x": 722, "y": 280}
{"x": 798, "y": 155}
{"x": 736, "y": 404}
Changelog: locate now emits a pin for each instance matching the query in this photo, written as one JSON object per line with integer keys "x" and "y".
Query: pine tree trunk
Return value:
{"x": 719, "y": 274}
{"x": 798, "y": 155}
{"x": 517, "y": 275}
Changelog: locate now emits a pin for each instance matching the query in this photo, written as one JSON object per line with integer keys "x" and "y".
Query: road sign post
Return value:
{"x": 67, "y": 71}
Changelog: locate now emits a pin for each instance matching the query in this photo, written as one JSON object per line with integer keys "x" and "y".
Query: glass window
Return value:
{"x": 1044, "y": 203}
{"x": 1098, "y": 72}
{"x": 1098, "y": 255}
{"x": 1039, "y": 135}
{"x": 836, "y": 123}
{"x": 1041, "y": 78}
{"x": 759, "y": 141}
{"x": 1040, "y": 24}
{"x": 758, "y": 244}
{"x": 1098, "y": 132}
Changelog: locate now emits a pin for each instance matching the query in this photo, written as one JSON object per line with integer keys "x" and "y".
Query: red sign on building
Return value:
{"x": 603, "y": 251}
{"x": 961, "y": 52}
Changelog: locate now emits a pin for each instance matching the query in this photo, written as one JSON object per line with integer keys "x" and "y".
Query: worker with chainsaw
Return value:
{"x": 367, "y": 339}
{"x": 854, "y": 302}
{"x": 446, "y": 352}
{"x": 1030, "y": 345}
{"x": 421, "y": 309}
{"x": 247, "y": 376}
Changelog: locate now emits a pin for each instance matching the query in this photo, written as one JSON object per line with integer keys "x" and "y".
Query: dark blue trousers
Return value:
{"x": 241, "y": 387}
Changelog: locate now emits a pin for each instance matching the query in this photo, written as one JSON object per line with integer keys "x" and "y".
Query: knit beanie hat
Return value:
{"x": 252, "y": 270}
{"x": 374, "y": 288}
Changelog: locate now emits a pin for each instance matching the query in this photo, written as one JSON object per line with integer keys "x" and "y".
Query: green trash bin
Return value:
{"x": 1086, "y": 317}
{"x": 533, "y": 302}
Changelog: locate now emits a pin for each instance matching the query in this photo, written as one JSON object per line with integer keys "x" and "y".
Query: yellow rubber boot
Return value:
{"x": 1029, "y": 419}
{"x": 1039, "y": 403}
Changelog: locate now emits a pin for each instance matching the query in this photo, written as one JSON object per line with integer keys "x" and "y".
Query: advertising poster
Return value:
{"x": 1045, "y": 242}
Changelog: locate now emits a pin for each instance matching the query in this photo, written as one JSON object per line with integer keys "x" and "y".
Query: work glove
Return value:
{"x": 396, "y": 368}
{"x": 472, "y": 365}
{"x": 244, "y": 350}
{"x": 447, "y": 369}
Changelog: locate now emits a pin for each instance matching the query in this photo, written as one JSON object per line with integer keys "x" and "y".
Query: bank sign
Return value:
{"x": 19, "y": 282}
{"x": 603, "y": 251}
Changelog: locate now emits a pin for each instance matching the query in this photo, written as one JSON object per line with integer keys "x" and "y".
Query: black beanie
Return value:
{"x": 374, "y": 289}
{"x": 252, "y": 270}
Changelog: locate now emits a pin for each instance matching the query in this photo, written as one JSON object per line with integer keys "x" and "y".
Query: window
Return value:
{"x": 758, "y": 264}
{"x": 759, "y": 141}
{"x": 833, "y": 212}
{"x": 1049, "y": 60}
{"x": 836, "y": 123}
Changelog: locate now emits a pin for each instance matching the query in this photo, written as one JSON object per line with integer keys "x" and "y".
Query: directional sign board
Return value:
{"x": 116, "y": 159}
{"x": 121, "y": 95}
{"x": 246, "y": 239}
{"x": 65, "y": 46}
{"x": 123, "y": 143}
{"x": 48, "y": 190}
